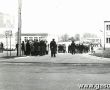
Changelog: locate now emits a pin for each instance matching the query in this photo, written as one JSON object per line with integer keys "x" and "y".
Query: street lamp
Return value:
{"x": 19, "y": 27}
{"x": 104, "y": 35}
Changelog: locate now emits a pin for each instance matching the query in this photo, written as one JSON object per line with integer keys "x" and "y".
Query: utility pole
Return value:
{"x": 7, "y": 44}
{"x": 19, "y": 27}
{"x": 104, "y": 35}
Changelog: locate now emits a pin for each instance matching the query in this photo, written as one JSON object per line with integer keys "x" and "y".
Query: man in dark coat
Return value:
{"x": 28, "y": 49}
{"x": 53, "y": 48}
{"x": 73, "y": 47}
{"x": 23, "y": 48}
{"x": 2, "y": 47}
{"x": 36, "y": 47}
{"x": 17, "y": 48}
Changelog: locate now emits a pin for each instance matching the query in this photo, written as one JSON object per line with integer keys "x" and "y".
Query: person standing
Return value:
{"x": 23, "y": 48}
{"x": 73, "y": 47}
{"x": 53, "y": 48}
{"x": 36, "y": 44}
{"x": 17, "y": 48}
{"x": 28, "y": 49}
{"x": 2, "y": 46}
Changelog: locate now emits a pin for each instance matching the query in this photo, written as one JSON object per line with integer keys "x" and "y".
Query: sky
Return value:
{"x": 60, "y": 16}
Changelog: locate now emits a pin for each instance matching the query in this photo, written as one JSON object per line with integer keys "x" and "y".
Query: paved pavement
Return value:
{"x": 65, "y": 72}
{"x": 60, "y": 58}
{"x": 7, "y": 53}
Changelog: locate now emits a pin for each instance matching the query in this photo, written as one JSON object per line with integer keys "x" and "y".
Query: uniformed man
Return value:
{"x": 53, "y": 48}
{"x": 28, "y": 49}
{"x": 17, "y": 48}
{"x": 36, "y": 47}
{"x": 23, "y": 48}
{"x": 2, "y": 47}
{"x": 73, "y": 47}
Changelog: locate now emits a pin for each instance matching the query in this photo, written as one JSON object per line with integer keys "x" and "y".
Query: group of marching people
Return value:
{"x": 78, "y": 48}
{"x": 36, "y": 47}
{"x": 1, "y": 47}
{"x": 33, "y": 48}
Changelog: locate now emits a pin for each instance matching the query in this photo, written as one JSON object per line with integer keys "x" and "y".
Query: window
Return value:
{"x": 25, "y": 39}
{"x": 31, "y": 38}
{"x": 107, "y": 27}
{"x": 40, "y": 38}
{"x": 106, "y": 40}
{"x": 35, "y": 38}
{"x": 109, "y": 40}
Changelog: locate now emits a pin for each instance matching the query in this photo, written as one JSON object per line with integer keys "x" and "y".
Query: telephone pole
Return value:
{"x": 19, "y": 27}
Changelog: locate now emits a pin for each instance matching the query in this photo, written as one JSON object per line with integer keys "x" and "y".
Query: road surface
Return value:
{"x": 65, "y": 72}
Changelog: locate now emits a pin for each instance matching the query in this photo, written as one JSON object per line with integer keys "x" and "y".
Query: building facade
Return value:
{"x": 34, "y": 36}
{"x": 107, "y": 34}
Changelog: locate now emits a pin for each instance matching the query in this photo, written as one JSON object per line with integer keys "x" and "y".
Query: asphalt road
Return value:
{"x": 17, "y": 74}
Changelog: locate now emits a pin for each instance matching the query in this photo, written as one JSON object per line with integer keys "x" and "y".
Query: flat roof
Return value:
{"x": 34, "y": 34}
{"x": 106, "y": 21}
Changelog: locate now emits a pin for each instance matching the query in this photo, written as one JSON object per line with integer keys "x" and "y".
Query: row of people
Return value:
{"x": 33, "y": 48}
{"x": 42, "y": 48}
{"x": 78, "y": 48}
{"x": 1, "y": 47}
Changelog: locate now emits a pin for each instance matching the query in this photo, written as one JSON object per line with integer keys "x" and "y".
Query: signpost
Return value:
{"x": 7, "y": 44}
{"x": 8, "y": 34}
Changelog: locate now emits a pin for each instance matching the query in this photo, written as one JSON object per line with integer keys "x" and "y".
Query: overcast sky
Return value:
{"x": 60, "y": 16}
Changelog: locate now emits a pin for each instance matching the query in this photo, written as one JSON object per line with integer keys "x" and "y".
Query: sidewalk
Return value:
{"x": 102, "y": 53}
{"x": 5, "y": 53}
{"x": 61, "y": 59}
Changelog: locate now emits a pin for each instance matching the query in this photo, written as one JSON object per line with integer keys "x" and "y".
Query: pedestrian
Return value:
{"x": 53, "y": 48}
{"x": 92, "y": 49}
{"x": 17, "y": 48}
{"x": 28, "y": 49}
{"x": 2, "y": 47}
{"x": 36, "y": 47}
{"x": 32, "y": 48}
{"x": 73, "y": 47}
{"x": 46, "y": 47}
{"x": 23, "y": 48}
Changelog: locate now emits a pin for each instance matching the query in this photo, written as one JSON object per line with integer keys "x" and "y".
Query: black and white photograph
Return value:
{"x": 54, "y": 44}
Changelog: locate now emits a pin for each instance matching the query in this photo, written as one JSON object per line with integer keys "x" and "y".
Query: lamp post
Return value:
{"x": 104, "y": 35}
{"x": 100, "y": 38}
{"x": 19, "y": 27}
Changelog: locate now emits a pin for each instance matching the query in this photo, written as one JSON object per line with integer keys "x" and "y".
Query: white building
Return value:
{"x": 34, "y": 36}
{"x": 106, "y": 34}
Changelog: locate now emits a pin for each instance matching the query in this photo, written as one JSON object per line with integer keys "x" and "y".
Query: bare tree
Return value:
{"x": 64, "y": 38}
{"x": 77, "y": 37}
{"x": 89, "y": 35}
{"x": 72, "y": 39}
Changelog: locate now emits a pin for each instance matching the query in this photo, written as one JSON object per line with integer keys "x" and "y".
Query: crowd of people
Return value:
{"x": 33, "y": 48}
{"x": 36, "y": 47}
{"x": 78, "y": 48}
{"x": 1, "y": 47}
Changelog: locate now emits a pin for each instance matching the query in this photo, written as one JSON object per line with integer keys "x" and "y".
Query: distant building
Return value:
{"x": 107, "y": 34}
{"x": 94, "y": 41}
{"x": 34, "y": 36}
